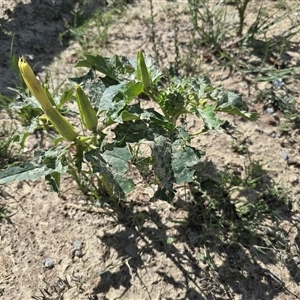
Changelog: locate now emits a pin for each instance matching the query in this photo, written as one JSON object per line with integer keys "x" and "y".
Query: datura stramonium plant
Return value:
{"x": 36, "y": 89}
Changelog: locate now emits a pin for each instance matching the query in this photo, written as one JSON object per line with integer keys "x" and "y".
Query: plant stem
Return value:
{"x": 241, "y": 7}
{"x": 153, "y": 38}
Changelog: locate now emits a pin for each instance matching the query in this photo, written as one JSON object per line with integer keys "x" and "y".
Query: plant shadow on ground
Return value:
{"x": 5, "y": 213}
{"x": 224, "y": 245}
{"x": 39, "y": 29}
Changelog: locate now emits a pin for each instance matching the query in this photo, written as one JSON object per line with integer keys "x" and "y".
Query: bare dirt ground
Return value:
{"x": 56, "y": 248}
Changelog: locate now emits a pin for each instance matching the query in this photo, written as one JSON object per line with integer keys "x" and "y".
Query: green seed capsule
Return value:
{"x": 59, "y": 122}
{"x": 87, "y": 113}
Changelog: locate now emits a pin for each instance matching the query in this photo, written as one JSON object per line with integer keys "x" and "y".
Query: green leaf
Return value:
{"x": 164, "y": 194}
{"x": 113, "y": 113}
{"x": 112, "y": 67}
{"x": 142, "y": 73}
{"x": 151, "y": 123}
{"x": 133, "y": 132}
{"x": 110, "y": 97}
{"x": 209, "y": 116}
{"x": 98, "y": 63}
{"x": 183, "y": 134}
{"x": 115, "y": 100}
{"x": 184, "y": 158}
{"x": 127, "y": 116}
{"x": 155, "y": 119}
{"x": 28, "y": 171}
{"x": 66, "y": 96}
{"x": 43, "y": 164}
{"x": 112, "y": 166}
{"x": 78, "y": 157}
{"x": 53, "y": 180}
{"x": 224, "y": 98}
{"x": 92, "y": 85}
{"x": 23, "y": 101}
{"x": 128, "y": 91}
{"x": 117, "y": 159}
{"x": 55, "y": 159}
{"x": 94, "y": 89}
{"x": 198, "y": 86}
{"x": 232, "y": 103}
{"x": 132, "y": 91}
{"x": 251, "y": 116}
{"x": 162, "y": 166}
{"x": 83, "y": 79}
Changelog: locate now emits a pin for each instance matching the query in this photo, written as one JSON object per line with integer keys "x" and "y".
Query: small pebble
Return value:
{"x": 284, "y": 155}
{"x": 271, "y": 133}
{"x": 78, "y": 253}
{"x": 277, "y": 83}
{"x": 296, "y": 260}
{"x": 146, "y": 257}
{"x": 171, "y": 34}
{"x": 269, "y": 110}
{"x": 77, "y": 250}
{"x": 48, "y": 263}
{"x": 78, "y": 245}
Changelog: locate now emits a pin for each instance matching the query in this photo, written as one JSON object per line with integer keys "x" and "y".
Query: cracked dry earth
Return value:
{"x": 58, "y": 248}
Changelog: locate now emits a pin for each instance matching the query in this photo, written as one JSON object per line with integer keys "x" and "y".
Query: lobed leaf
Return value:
{"x": 44, "y": 163}
{"x": 112, "y": 166}
{"x": 184, "y": 158}
{"x": 114, "y": 67}
{"x": 210, "y": 118}
{"x": 28, "y": 171}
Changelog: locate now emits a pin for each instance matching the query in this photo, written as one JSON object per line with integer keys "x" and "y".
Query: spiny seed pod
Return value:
{"x": 142, "y": 71}
{"x": 87, "y": 113}
{"x": 36, "y": 89}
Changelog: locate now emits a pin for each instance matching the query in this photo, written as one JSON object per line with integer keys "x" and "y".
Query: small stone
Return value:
{"x": 77, "y": 250}
{"x": 171, "y": 34}
{"x": 146, "y": 257}
{"x": 284, "y": 155}
{"x": 78, "y": 253}
{"x": 271, "y": 133}
{"x": 296, "y": 260}
{"x": 269, "y": 110}
{"x": 78, "y": 245}
{"x": 277, "y": 83}
{"x": 48, "y": 263}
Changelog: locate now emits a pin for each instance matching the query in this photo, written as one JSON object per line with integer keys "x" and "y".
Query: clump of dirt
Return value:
{"x": 57, "y": 248}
